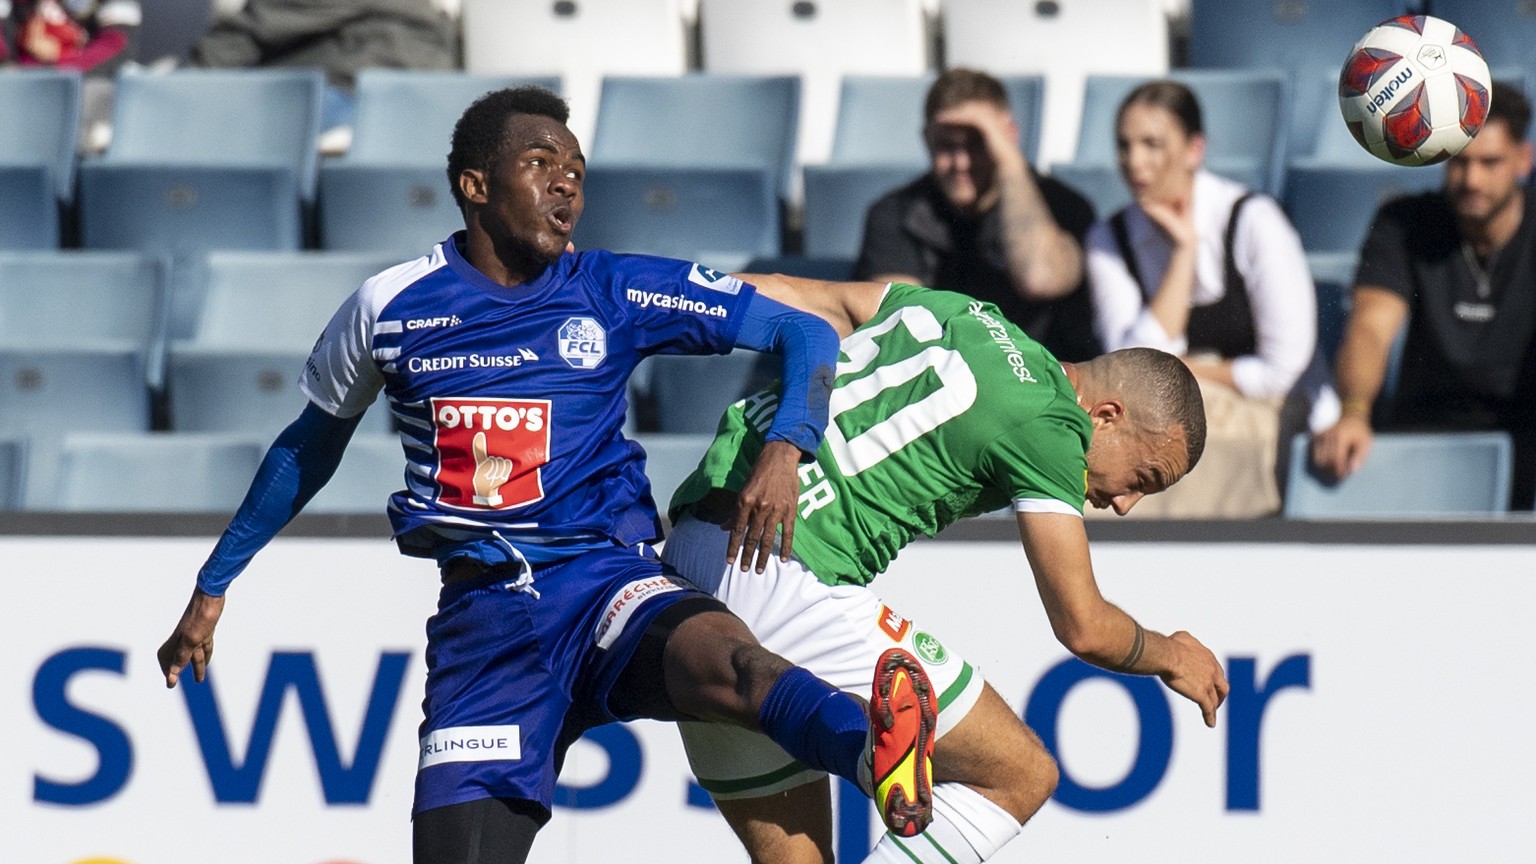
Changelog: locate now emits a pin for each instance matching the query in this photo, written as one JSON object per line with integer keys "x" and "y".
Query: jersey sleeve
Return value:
{"x": 676, "y": 307}
{"x": 341, "y": 376}
{"x": 1044, "y": 466}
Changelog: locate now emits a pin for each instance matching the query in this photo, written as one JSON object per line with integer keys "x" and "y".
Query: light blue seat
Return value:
{"x": 837, "y": 199}
{"x": 233, "y": 364}
{"x": 1259, "y": 34}
{"x": 1100, "y": 184}
{"x": 669, "y": 459}
{"x": 1246, "y": 114}
{"x": 371, "y": 469}
{"x": 1333, "y": 276}
{"x": 718, "y": 216}
{"x": 688, "y": 393}
{"x": 160, "y": 472}
{"x": 699, "y": 121}
{"x": 880, "y": 121}
{"x": 205, "y": 159}
{"x": 37, "y": 156}
{"x": 390, "y": 191}
{"x": 13, "y": 461}
{"x": 47, "y": 393}
{"x": 1332, "y": 206}
{"x": 1408, "y": 476}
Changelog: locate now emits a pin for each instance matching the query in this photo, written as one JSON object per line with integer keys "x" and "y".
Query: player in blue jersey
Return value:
{"x": 504, "y": 357}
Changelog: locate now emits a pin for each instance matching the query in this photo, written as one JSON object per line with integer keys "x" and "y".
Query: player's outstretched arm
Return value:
{"x": 1101, "y": 633}
{"x": 296, "y": 466}
{"x": 844, "y": 305}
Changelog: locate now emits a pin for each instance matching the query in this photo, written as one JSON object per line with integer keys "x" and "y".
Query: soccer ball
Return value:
{"x": 1414, "y": 90}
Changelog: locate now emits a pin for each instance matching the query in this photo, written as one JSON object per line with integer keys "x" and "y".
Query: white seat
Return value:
{"x": 1065, "y": 42}
{"x": 1408, "y": 476}
{"x": 819, "y": 40}
{"x": 580, "y": 40}
{"x": 371, "y": 469}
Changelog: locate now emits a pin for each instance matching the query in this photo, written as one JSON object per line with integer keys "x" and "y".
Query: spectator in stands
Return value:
{"x": 983, "y": 222}
{"x": 1201, "y": 267}
{"x": 1459, "y": 267}
{"x": 338, "y": 36}
{"x": 83, "y": 35}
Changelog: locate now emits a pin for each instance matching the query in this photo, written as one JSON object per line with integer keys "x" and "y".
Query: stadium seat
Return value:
{"x": 37, "y": 157}
{"x": 13, "y": 454}
{"x": 372, "y": 468}
{"x": 1332, "y": 205}
{"x": 837, "y": 198}
{"x": 155, "y": 473}
{"x": 47, "y": 393}
{"x": 1333, "y": 276}
{"x": 1504, "y": 31}
{"x": 830, "y": 269}
{"x": 1100, "y": 184}
{"x": 820, "y": 41}
{"x": 880, "y": 121}
{"x": 185, "y": 173}
{"x": 669, "y": 459}
{"x": 390, "y": 190}
{"x": 234, "y": 363}
{"x": 665, "y": 388}
{"x": 1408, "y": 476}
{"x": 1246, "y": 116}
{"x": 1295, "y": 37}
{"x": 720, "y": 217}
{"x": 1065, "y": 42}
{"x": 579, "y": 40}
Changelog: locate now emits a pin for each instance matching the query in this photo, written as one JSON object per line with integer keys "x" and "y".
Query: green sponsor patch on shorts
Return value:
{"x": 929, "y": 648}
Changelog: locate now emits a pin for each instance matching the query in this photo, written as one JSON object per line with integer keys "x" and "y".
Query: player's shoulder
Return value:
{"x": 382, "y": 288}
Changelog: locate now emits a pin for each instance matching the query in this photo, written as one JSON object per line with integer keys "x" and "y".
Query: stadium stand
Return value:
{"x": 389, "y": 191}
{"x": 1504, "y": 30}
{"x": 372, "y": 468}
{"x": 1409, "y": 476}
{"x": 13, "y": 454}
{"x": 185, "y": 173}
{"x": 669, "y": 459}
{"x": 665, "y": 389}
{"x": 1291, "y": 36}
{"x": 37, "y": 157}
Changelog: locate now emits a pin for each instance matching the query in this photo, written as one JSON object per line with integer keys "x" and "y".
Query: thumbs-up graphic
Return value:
{"x": 490, "y": 473}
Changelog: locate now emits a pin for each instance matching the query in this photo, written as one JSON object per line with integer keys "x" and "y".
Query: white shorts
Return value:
{"x": 837, "y": 632}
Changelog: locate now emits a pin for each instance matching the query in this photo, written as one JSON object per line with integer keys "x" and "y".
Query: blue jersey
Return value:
{"x": 511, "y": 401}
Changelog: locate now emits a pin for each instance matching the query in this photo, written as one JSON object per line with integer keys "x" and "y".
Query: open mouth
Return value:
{"x": 561, "y": 218}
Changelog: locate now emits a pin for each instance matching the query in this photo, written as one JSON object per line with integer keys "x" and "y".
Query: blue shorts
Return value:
{"x": 513, "y": 679}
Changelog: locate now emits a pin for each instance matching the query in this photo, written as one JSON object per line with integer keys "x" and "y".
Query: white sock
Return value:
{"x": 966, "y": 829}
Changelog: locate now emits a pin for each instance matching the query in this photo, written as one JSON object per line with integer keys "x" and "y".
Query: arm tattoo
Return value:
{"x": 1133, "y": 656}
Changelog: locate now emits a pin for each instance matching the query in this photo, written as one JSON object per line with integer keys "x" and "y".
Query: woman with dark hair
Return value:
{"x": 1204, "y": 268}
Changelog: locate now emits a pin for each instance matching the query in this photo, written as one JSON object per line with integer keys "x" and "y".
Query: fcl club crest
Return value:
{"x": 583, "y": 343}
{"x": 490, "y": 451}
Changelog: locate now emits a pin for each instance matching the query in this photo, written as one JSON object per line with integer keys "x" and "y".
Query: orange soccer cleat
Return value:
{"x": 902, "y": 718}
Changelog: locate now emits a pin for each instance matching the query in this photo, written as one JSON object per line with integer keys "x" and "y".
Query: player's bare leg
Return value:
{"x": 790, "y": 827}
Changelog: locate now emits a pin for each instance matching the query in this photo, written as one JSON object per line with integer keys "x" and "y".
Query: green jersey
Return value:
{"x": 941, "y": 409}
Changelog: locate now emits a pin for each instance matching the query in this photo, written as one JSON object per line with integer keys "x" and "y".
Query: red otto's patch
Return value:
{"x": 490, "y": 451}
{"x": 894, "y": 625}
{"x": 624, "y": 603}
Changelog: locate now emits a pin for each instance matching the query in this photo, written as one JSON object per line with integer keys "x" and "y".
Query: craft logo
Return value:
{"x": 714, "y": 280}
{"x": 929, "y": 649}
{"x": 583, "y": 343}
{"x": 893, "y": 624}
{"x": 490, "y": 452}
{"x": 623, "y": 605}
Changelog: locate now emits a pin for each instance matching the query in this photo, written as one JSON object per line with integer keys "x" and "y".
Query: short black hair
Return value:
{"x": 480, "y": 133}
{"x": 1161, "y": 391}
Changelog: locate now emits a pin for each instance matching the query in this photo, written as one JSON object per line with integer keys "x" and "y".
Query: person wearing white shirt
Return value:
{"x": 1203, "y": 268}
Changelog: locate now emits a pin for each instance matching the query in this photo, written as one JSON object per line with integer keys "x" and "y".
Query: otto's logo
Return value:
{"x": 490, "y": 451}
{"x": 428, "y": 323}
{"x": 583, "y": 343}
{"x": 929, "y": 648}
{"x": 623, "y": 604}
{"x": 893, "y": 624}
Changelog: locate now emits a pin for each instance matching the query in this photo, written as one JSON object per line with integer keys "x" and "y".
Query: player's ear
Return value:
{"x": 472, "y": 185}
{"x": 1107, "y": 411}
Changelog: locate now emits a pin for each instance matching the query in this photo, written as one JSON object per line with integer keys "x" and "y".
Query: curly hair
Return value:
{"x": 480, "y": 133}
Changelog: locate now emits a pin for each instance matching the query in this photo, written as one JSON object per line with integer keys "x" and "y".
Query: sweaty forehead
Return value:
{"x": 1170, "y": 454}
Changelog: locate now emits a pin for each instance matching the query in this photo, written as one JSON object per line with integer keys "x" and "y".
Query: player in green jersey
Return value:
{"x": 941, "y": 409}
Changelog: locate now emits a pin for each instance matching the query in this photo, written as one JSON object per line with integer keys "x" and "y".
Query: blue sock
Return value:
{"x": 821, "y": 726}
